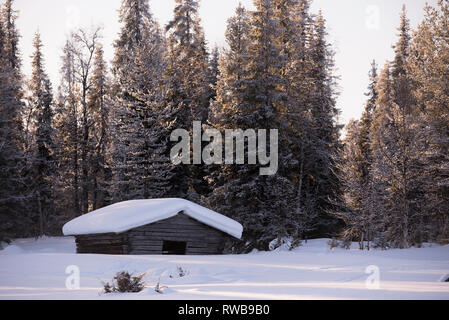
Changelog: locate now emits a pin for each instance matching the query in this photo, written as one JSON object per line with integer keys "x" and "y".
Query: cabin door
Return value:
{"x": 174, "y": 247}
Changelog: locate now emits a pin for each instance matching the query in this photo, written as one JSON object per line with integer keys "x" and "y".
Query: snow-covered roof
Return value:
{"x": 124, "y": 216}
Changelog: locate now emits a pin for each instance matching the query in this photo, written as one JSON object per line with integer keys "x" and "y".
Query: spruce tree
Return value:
{"x": 136, "y": 18}
{"x": 99, "y": 160}
{"x": 42, "y": 162}
{"x": 142, "y": 119}
{"x": 213, "y": 73}
{"x": 252, "y": 97}
{"x": 354, "y": 167}
{"x": 395, "y": 138}
{"x": 232, "y": 70}
{"x": 324, "y": 130}
{"x": 427, "y": 69}
{"x": 188, "y": 87}
{"x": 12, "y": 191}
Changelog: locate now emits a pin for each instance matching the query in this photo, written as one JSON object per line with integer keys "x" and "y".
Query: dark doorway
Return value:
{"x": 174, "y": 247}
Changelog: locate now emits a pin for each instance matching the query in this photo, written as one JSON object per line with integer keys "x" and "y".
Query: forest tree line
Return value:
{"x": 394, "y": 167}
{"x": 103, "y": 134}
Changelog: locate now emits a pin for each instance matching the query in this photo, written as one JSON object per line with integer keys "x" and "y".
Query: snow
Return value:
{"x": 36, "y": 269}
{"x": 124, "y": 216}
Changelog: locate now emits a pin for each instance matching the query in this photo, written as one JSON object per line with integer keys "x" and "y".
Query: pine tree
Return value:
{"x": 295, "y": 25}
{"x": 232, "y": 73}
{"x": 42, "y": 162}
{"x": 395, "y": 137}
{"x": 427, "y": 68}
{"x": 249, "y": 89}
{"x": 12, "y": 191}
{"x": 367, "y": 187}
{"x": 188, "y": 60}
{"x": 142, "y": 119}
{"x": 99, "y": 103}
{"x": 359, "y": 201}
{"x": 188, "y": 87}
{"x": 232, "y": 70}
{"x": 213, "y": 73}
{"x": 350, "y": 164}
{"x": 135, "y": 18}
{"x": 323, "y": 133}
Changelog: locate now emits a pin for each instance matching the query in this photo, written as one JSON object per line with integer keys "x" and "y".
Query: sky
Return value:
{"x": 359, "y": 30}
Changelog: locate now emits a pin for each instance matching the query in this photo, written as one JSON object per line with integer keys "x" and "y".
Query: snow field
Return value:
{"x": 31, "y": 269}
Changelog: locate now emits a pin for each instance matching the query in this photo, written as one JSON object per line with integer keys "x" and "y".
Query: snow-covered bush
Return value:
{"x": 181, "y": 272}
{"x": 284, "y": 244}
{"x": 125, "y": 282}
{"x": 159, "y": 288}
{"x": 380, "y": 242}
{"x": 346, "y": 244}
{"x": 333, "y": 243}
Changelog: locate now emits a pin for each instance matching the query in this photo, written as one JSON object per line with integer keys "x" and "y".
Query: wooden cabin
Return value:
{"x": 158, "y": 226}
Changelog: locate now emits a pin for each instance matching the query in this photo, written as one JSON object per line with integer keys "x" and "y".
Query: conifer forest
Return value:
{"x": 102, "y": 134}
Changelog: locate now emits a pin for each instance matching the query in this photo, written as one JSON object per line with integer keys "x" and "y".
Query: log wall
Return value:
{"x": 109, "y": 243}
{"x": 200, "y": 238}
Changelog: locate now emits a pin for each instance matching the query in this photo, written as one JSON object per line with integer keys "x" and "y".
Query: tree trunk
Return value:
{"x": 41, "y": 216}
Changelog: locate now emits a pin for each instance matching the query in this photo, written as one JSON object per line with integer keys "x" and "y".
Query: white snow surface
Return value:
{"x": 38, "y": 270}
{"x": 124, "y": 216}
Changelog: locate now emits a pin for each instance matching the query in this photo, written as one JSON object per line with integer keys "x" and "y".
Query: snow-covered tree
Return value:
{"x": 12, "y": 189}
{"x": 321, "y": 130}
{"x": 395, "y": 141}
{"x": 41, "y": 148}
{"x": 360, "y": 200}
{"x": 427, "y": 68}
{"x": 232, "y": 70}
{"x": 213, "y": 72}
{"x": 68, "y": 135}
{"x": 188, "y": 61}
{"x": 75, "y": 120}
{"x": 99, "y": 102}
{"x": 142, "y": 119}
{"x": 249, "y": 90}
{"x": 188, "y": 85}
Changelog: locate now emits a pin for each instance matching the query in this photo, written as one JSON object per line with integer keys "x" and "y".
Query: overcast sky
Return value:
{"x": 360, "y": 30}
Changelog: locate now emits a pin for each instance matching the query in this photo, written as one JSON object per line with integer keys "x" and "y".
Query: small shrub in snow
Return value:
{"x": 181, "y": 272}
{"x": 287, "y": 243}
{"x": 125, "y": 282}
{"x": 334, "y": 243}
{"x": 296, "y": 243}
{"x": 158, "y": 288}
{"x": 346, "y": 244}
{"x": 380, "y": 242}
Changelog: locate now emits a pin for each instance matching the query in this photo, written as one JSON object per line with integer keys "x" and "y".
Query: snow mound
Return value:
{"x": 124, "y": 216}
{"x": 285, "y": 244}
{"x": 12, "y": 250}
